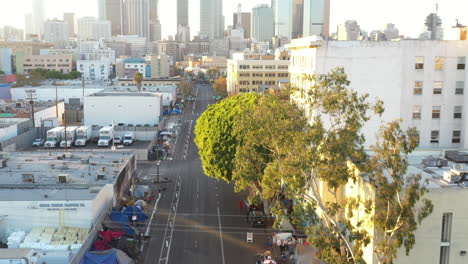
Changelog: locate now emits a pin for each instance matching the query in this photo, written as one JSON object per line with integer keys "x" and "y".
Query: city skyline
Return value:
{"x": 409, "y": 22}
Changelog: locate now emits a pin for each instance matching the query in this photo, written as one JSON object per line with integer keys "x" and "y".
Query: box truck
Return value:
{"x": 106, "y": 135}
{"x": 54, "y": 136}
{"x": 83, "y": 135}
{"x": 129, "y": 137}
{"x": 69, "y": 137}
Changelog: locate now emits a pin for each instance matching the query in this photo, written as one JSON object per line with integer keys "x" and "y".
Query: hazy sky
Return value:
{"x": 407, "y": 15}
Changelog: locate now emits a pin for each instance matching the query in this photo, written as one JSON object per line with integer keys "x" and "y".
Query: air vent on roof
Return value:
{"x": 68, "y": 155}
{"x": 62, "y": 179}
{"x": 3, "y": 163}
{"x": 101, "y": 177}
{"x": 27, "y": 178}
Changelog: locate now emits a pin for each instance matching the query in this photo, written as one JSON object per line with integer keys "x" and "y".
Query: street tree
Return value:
{"x": 399, "y": 203}
{"x": 213, "y": 74}
{"x": 186, "y": 87}
{"x": 215, "y": 137}
{"x": 220, "y": 86}
{"x": 138, "y": 79}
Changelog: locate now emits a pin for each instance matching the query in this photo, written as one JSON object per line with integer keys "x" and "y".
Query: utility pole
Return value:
{"x": 30, "y": 94}
{"x": 64, "y": 117}
{"x": 56, "y": 100}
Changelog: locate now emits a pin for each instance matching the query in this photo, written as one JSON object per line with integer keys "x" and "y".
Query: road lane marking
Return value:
{"x": 221, "y": 236}
{"x": 155, "y": 209}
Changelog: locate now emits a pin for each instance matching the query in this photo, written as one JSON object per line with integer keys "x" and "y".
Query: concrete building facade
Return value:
{"x": 284, "y": 18}
{"x": 421, "y": 82}
{"x": 56, "y": 31}
{"x": 159, "y": 66}
{"x": 122, "y": 107}
{"x": 349, "y": 30}
{"x": 94, "y": 70}
{"x": 255, "y": 72}
{"x": 136, "y": 17}
{"x": 70, "y": 19}
{"x": 61, "y": 63}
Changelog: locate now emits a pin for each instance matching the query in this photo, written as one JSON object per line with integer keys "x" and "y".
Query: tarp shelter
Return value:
{"x": 111, "y": 256}
{"x": 126, "y": 215}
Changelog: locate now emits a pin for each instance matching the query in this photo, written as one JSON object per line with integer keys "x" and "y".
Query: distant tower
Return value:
{"x": 239, "y": 16}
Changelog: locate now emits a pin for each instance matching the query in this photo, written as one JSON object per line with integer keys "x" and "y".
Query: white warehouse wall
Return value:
{"x": 128, "y": 109}
{"x": 48, "y": 93}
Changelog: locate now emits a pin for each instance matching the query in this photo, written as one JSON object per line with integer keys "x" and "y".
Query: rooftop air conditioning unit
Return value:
{"x": 62, "y": 178}
{"x": 3, "y": 163}
{"x": 101, "y": 177}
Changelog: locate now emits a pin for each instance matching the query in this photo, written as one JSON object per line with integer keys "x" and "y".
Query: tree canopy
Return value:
{"x": 220, "y": 86}
{"x": 266, "y": 145}
{"x": 138, "y": 79}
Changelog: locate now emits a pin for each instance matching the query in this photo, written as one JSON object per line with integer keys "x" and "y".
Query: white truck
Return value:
{"x": 54, "y": 136}
{"x": 19, "y": 256}
{"x": 69, "y": 137}
{"x": 106, "y": 135}
{"x": 83, "y": 135}
{"x": 129, "y": 137}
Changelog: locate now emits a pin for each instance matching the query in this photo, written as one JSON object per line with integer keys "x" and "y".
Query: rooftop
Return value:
{"x": 48, "y": 194}
{"x": 81, "y": 169}
{"x": 123, "y": 93}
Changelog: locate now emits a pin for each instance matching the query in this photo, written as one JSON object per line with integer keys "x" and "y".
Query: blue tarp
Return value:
{"x": 125, "y": 216}
{"x": 101, "y": 257}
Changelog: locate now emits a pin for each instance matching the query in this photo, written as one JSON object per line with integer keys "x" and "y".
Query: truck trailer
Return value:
{"x": 54, "y": 136}
{"x": 83, "y": 135}
{"x": 69, "y": 138}
{"x": 106, "y": 135}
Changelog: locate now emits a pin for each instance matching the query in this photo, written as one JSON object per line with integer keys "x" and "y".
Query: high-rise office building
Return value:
{"x": 38, "y": 17}
{"x": 183, "y": 28}
{"x": 283, "y": 18}
{"x": 433, "y": 27}
{"x": 28, "y": 25}
{"x": 56, "y": 31}
{"x": 350, "y": 30}
{"x": 211, "y": 19}
{"x": 102, "y": 9}
{"x": 243, "y": 19}
{"x": 70, "y": 19}
{"x": 154, "y": 23}
{"x": 297, "y": 18}
{"x": 85, "y": 27}
{"x": 316, "y": 18}
{"x": 114, "y": 13}
{"x": 102, "y": 30}
{"x": 263, "y": 22}
{"x": 136, "y": 17}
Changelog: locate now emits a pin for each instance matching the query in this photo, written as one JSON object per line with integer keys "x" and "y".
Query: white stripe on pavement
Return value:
{"x": 221, "y": 236}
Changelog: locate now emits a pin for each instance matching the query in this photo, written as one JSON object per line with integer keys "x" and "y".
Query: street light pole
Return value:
{"x": 157, "y": 170}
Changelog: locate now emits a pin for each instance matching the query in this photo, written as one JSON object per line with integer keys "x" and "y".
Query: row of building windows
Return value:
{"x": 457, "y": 112}
{"x": 435, "y": 134}
{"x": 439, "y": 63}
{"x": 257, "y": 82}
{"x": 261, "y": 67}
{"x": 281, "y": 74}
{"x": 437, "y": 87}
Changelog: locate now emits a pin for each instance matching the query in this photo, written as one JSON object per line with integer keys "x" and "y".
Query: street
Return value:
{"x": 197, "y": 219}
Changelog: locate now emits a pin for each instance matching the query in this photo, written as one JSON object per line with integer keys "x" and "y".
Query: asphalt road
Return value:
{"x": 197, "y": 219}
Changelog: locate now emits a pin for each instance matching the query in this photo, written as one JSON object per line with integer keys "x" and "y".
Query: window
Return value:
{"x": 245, "y": 67}
{"x": 459, "y": 87}
{"x": 435, "y": 136}
{"x": 282, "y": 74}
{"x": 437, "y": 87}
{"x": 457, "y": 111}
{"x": 418, "y": 85}
{"x": 439, "y": 63}
{"x": 419, "y": 65}
{"x": 456, "y": 135}
{"x": 460, "y": 63}
{"x": 417, "y": 137}
{"x": 417, "y": 112}
{"x": 257, "y": 67}
{"x": 435, "y": 112}
{"x": 445, "y": 238}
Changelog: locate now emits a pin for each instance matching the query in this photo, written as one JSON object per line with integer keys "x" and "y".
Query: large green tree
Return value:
{"x": 399, "y": 202}
{"x": 215, "y": 137}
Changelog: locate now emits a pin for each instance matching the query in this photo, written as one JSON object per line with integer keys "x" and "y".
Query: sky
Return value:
{"x": 407, "y": 15}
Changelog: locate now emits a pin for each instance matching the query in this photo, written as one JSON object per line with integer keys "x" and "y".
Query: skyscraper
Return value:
{"x": 154, "y": 23}
{"x": 136, "y": 17}
{"x": 298, "y": 18}
{"x": 211, "y": 19}
{"x": 56, "y": 31}
{"x": 28, "y": 25}
{"x": 102, "y": 10}
{"x": 183, "y": 29}
{"x": 69, "y": 18}
{"x": 283, "y": 18}
{"x": 350, "y": 30}
{"x": 114, "y": 13}
{"x": 38, "y": 17}
{"x": 263, "y": 27}
{"x": 245, "y": 21}
{"x": 85, "y": 27}
{"x": 316, "y": 18}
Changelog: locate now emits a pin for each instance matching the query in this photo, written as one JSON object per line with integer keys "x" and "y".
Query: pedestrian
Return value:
{"x": 241, "y": 205}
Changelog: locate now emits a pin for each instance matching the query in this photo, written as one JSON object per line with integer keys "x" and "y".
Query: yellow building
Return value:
{"x": 248, "y": 72}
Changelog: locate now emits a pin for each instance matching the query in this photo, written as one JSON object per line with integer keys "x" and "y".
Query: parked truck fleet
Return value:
{"x": 106, "y": 135}
{"x": 54, "y": 137}
{"x": 83, "y": 135}
{"x": 68, "y": 136}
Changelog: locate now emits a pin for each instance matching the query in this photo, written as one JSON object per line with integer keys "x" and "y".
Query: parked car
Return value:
{"x": 38, "y": 142}
{"x": 257, "y": 219}
{"x": 118, "y": 140}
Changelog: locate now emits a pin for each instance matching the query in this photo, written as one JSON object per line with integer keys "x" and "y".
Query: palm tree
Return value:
{"x": 138, "y": 78}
